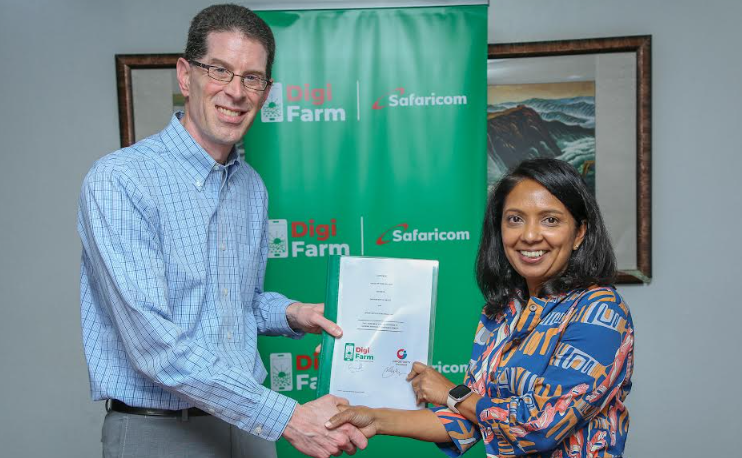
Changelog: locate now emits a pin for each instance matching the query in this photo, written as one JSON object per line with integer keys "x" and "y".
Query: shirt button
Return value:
{"x": 225, "y": 292}
{"x": 223, "y": 246}
{"x": 216, "y": 166}
{"x": 533, "y": 307}
{"x": 198, "y": 183}
{"x": 229, "y": 335}
{"x": 211, "y": 410}
{"x": 258, "y": 429}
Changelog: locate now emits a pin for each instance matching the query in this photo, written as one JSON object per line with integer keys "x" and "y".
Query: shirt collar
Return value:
{"x": 196, "y": 162}
{"x": 548, "y": 302}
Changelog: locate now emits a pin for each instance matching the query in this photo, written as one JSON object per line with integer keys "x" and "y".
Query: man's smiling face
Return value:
{"x": 218, "y": 114}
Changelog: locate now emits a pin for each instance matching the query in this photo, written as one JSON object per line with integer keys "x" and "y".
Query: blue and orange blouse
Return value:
{"x": 553, "y": 374}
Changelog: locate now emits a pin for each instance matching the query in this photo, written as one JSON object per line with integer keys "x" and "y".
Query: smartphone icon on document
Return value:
{"x": 273, "y": 107}
{"x": 282, "y": 372}
{"x": 349, "y": 351}
{"x": 278, "y": 238}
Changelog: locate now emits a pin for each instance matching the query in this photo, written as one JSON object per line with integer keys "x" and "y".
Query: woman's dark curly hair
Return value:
{"x": 593, "y": 263}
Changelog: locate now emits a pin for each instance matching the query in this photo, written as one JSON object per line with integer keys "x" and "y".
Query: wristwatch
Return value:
{"x": 456, "y": 395}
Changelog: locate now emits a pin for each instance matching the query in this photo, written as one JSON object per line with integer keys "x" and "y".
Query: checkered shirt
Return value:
{"x": 174, "y": 252}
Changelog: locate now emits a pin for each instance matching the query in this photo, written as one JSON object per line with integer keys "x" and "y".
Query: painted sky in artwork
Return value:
{"x": 520, "y": 92}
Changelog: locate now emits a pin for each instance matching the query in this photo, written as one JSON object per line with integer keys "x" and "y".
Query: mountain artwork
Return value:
{"x": 554, "y": 120}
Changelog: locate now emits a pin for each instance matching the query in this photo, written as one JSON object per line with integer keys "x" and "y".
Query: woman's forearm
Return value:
{"x": 417, "y": 424}
{"x": 468, "y": 407}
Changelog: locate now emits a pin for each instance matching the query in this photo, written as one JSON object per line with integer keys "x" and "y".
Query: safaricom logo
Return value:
{"x": 400, "y": 98}
{"x": 402, "y": 233}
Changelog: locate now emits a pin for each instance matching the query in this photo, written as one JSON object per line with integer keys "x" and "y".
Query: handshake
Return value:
{"x": 329, "y": 426}
{"x": 308, "y": 429}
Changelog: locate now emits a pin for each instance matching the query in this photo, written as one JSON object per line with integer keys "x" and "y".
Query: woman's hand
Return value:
{"x": 361, "y": 417}
{"x": 421, "y": 424}
{"x": 429, "y": 385}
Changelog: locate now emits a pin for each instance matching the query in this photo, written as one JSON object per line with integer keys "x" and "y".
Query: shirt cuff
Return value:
{"x": 462, "y": 432}
{"x": 277, "y": 322}
{"x": 273, "y": 415}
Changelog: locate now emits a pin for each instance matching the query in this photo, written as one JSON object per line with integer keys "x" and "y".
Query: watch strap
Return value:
{"x": 451, "y": 402}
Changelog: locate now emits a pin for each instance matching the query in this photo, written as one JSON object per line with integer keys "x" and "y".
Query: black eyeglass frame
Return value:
{"x": 208, "y": 68}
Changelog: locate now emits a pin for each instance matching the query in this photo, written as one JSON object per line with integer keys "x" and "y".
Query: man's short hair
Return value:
{"x": 228, "y": 18}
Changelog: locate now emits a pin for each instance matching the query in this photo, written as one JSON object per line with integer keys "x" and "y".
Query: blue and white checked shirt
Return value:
{"x": 173, "y": 260}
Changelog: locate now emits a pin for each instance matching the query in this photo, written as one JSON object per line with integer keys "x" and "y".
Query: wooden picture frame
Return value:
{"x": 133, "y": 71}
{"x": 621, "y": 124}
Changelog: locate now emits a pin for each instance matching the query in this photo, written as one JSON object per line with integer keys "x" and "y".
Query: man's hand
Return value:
{"x": 307, "y": 434}
{"x": 429, "y": 385}
{"x": 310, "y": 318}
{"x": 361, "y": 417}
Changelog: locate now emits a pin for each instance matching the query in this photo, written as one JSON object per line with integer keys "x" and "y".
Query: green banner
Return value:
{"x": 372, "y": 142}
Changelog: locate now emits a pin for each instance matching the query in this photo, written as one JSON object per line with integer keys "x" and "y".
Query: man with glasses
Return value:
{"x": 174, "y": 242}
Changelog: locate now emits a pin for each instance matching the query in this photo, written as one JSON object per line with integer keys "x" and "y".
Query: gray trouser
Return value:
{"x": 139, "y": 436}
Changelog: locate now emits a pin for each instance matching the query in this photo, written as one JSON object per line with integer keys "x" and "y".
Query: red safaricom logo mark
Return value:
{"x": 382, "y": 240}
{"x": 376, "y": 105}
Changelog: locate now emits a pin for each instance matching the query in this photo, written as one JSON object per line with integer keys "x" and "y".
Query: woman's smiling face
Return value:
{"x": 538, "y": 233}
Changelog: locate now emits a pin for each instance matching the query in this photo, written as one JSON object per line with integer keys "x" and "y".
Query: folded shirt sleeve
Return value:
{"x": 462, "y": 432}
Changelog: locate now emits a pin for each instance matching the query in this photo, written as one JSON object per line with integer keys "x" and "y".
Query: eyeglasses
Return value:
{"x": 253, "y": 82}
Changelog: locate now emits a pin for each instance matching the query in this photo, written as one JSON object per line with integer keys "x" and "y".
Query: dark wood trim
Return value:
{"x": 125, "y": 63}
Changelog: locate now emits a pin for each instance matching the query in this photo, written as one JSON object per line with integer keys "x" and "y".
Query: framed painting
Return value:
{"x": 148, "y": 94}
{"x": 587, "y": 102}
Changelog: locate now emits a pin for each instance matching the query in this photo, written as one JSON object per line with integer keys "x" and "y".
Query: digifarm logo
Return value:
{"x": 305, "y": 236}
{"x": 402, "y": 233}
{"x": 400, "y": 97}
{"x": 301, "y": 103}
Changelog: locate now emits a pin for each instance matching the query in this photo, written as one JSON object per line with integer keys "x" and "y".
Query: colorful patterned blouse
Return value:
{"x": 553, "y": 376}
